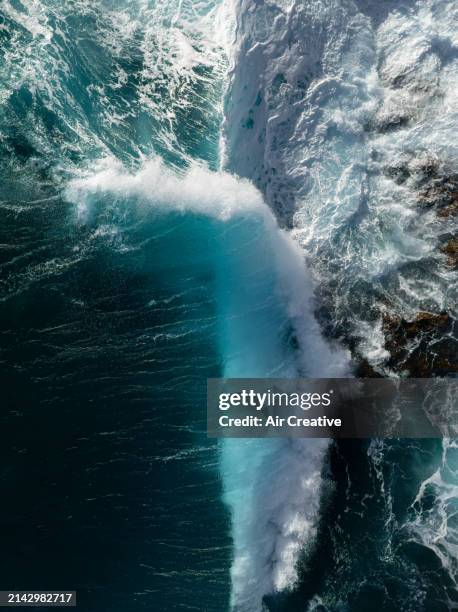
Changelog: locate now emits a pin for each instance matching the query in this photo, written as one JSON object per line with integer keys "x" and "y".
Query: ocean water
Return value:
{"x": 194, "y": 189}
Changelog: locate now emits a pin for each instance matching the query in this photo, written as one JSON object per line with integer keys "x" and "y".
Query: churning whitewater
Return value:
{"x": 344, "y": 114}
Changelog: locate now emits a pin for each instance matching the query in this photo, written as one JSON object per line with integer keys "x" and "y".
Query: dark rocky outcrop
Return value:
{"x": 450, "y": 208}
{"x": 427, "y": 345}
{"x": 450, "y": 249}
{"x": 435, "y": 188}
{"x": 422, "y": 347}
{"x": 438, "y": 191}
{"x": 365, "y": 370}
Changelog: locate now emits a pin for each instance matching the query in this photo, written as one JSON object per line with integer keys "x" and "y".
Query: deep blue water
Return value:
{"x": 109, "y": 483}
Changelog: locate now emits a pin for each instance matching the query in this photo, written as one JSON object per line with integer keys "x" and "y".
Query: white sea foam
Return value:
{"x": 153, "y": 66}
{"x": 435, "y": 524}
{"x": 32, "y": 17}
{"x": 326, "y": 100}
{"x": 273, "y": 489}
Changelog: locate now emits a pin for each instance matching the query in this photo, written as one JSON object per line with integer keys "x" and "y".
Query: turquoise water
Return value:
{"x": 134, "y": 268}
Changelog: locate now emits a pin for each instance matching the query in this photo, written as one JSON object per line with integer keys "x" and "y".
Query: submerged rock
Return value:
{"x": 449, "y": 209}
{"x": 366, "y": 370}
{"x": 440, "y": 193}
{"x": 451, "y": 250}
{"x": 422, "y": 347}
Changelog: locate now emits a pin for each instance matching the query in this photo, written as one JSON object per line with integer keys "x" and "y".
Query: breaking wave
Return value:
{"x": 267, "y": 328}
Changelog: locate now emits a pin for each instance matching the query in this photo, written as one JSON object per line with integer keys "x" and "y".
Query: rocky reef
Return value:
{"x": 450, "y": 249}
{"x": 427, "y": 344}
{"x": 422, "y": 347}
